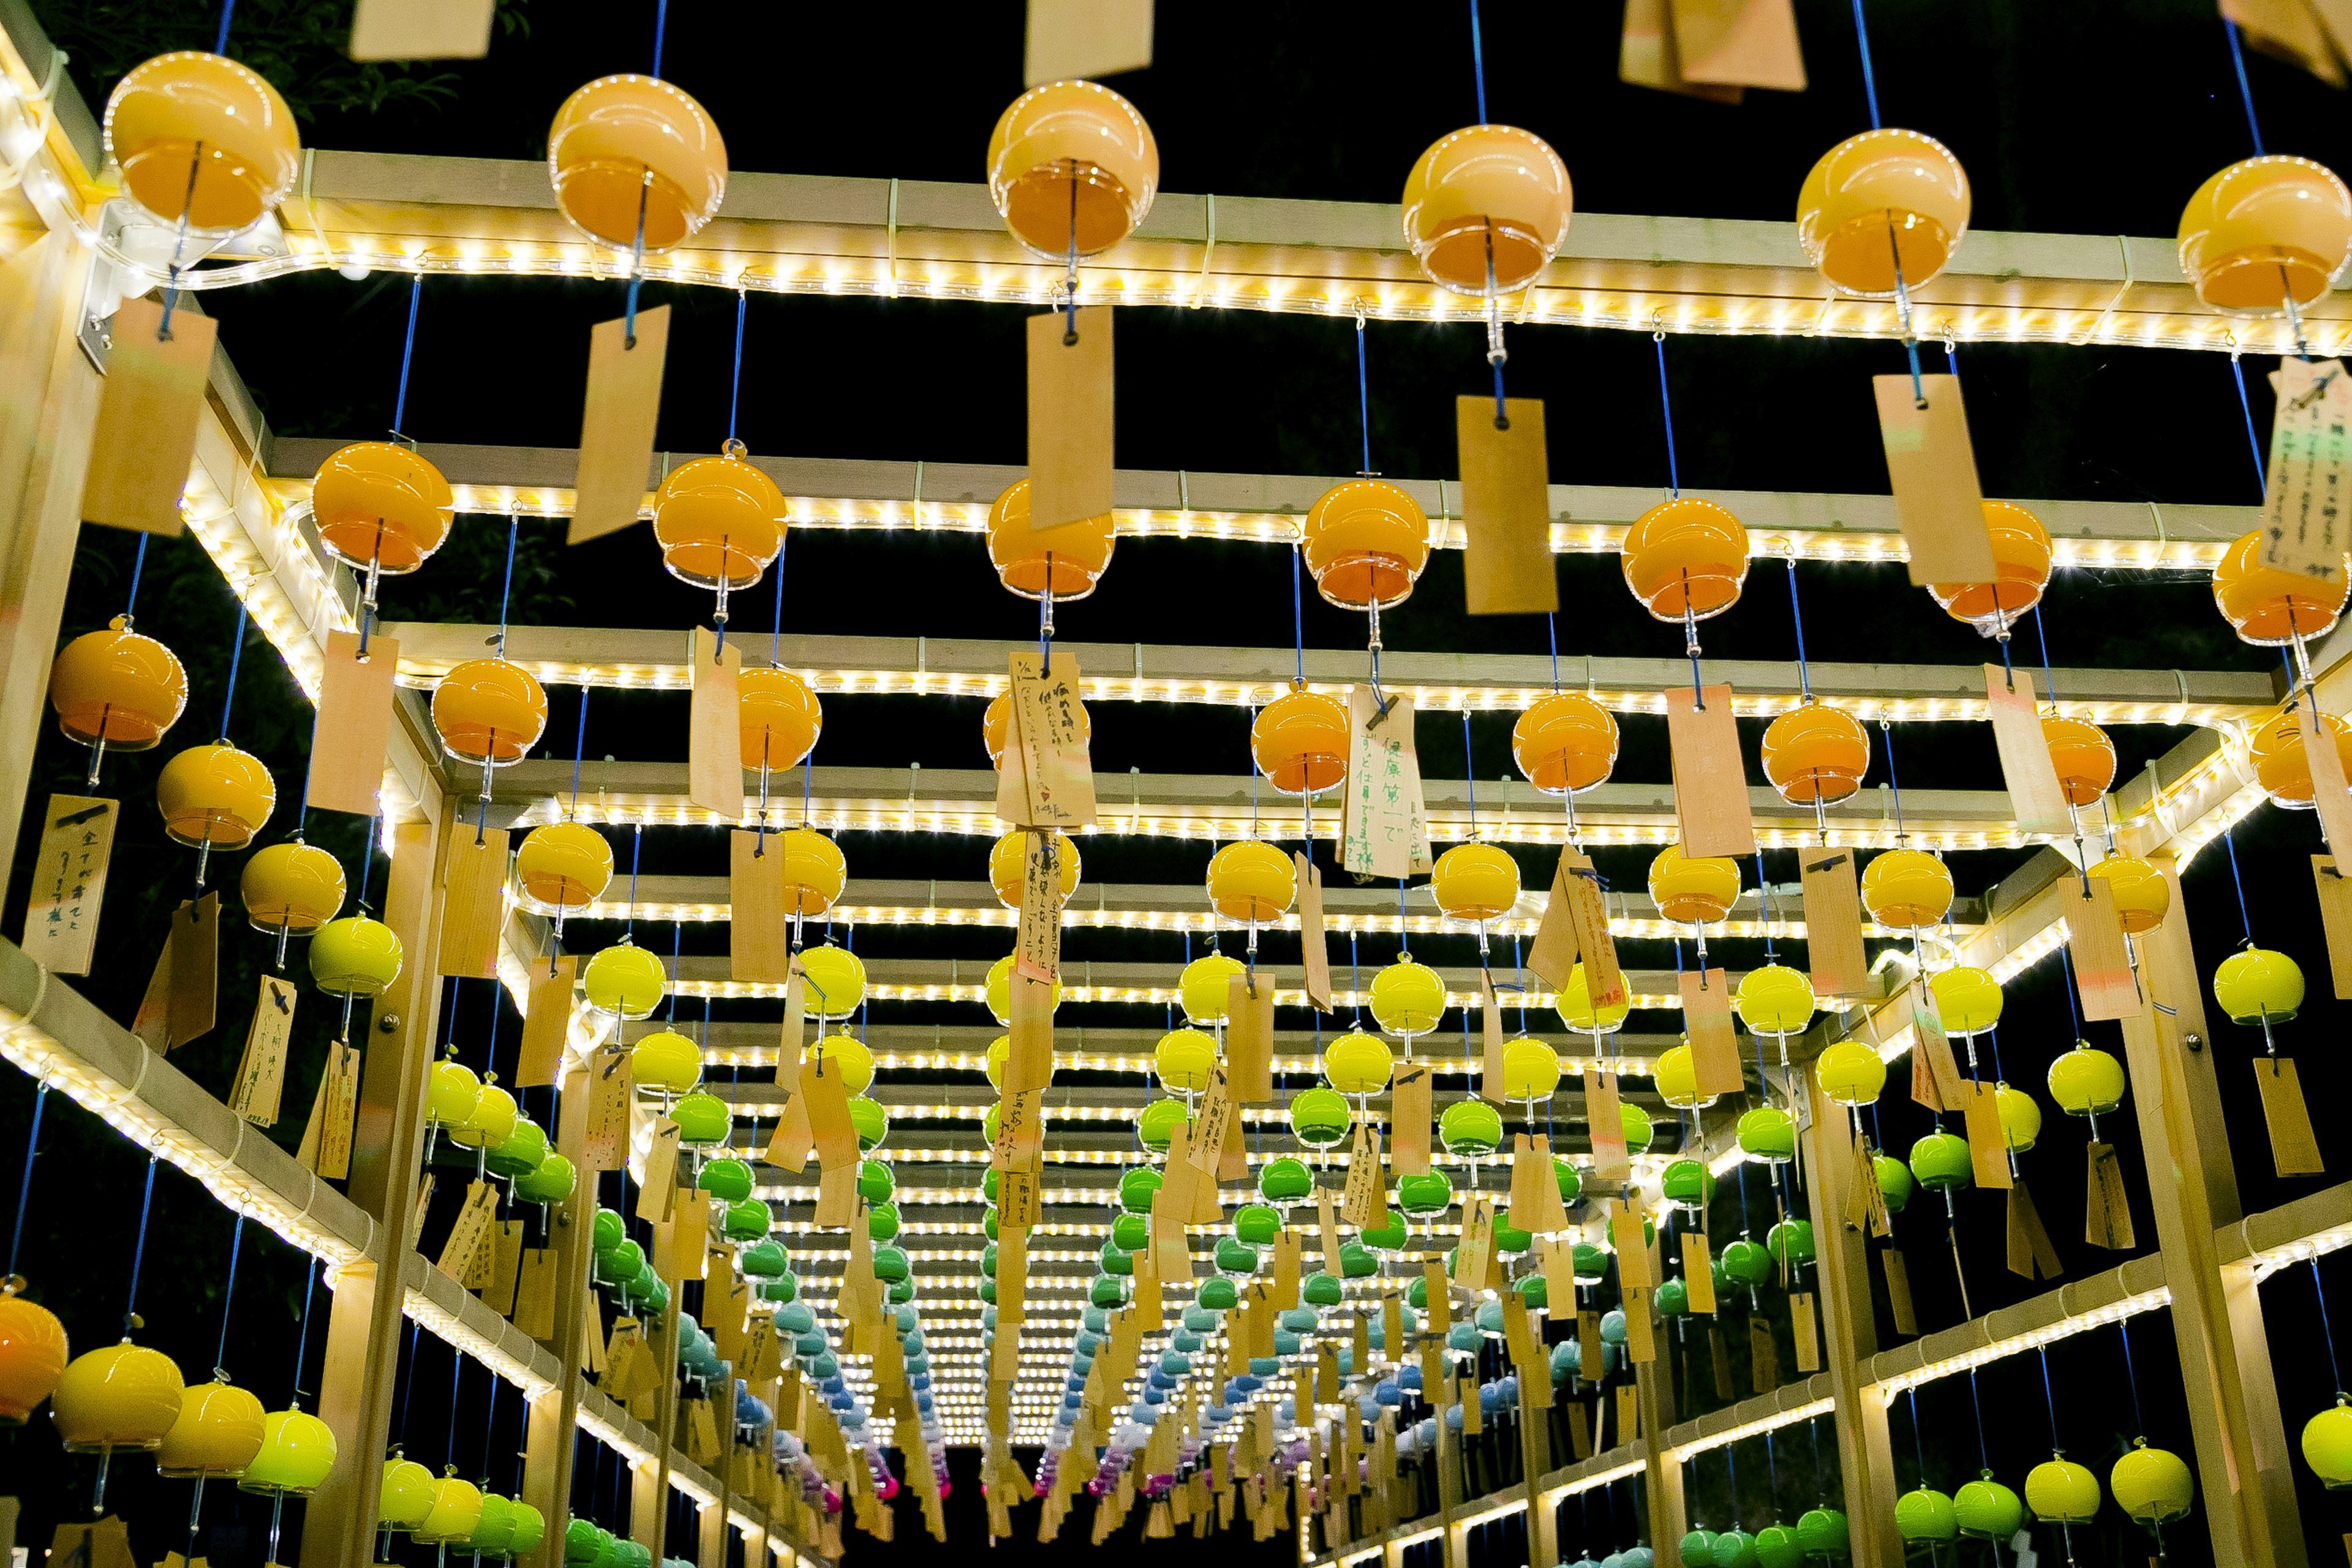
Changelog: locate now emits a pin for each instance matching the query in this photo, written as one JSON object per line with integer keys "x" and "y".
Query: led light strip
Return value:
{"x": 1155, "y": 996}
{"x": 2016, "y": 1344}
{"x": 1141, "y": 1065}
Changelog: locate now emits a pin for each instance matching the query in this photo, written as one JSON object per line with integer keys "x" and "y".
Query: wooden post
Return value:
{"x": 550, "y": 1440}
{"x": 1535, "y": 1463}
{"x": 46, "y": 423}
{"x": 710, "y": 1545}
{"x": 1662, "y": 1476}
{"x": 1849, "y": 1331}
{"x": 1449, "y": 1488}
{"x": 2244, "y": 1461}
{"x": 364, "y": 1324}
{"x": 713, "y": 1544}
{"x": 654, "y": 1533}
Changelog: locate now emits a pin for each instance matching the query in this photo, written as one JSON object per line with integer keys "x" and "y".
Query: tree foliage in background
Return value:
{"x": 300, "y": 44}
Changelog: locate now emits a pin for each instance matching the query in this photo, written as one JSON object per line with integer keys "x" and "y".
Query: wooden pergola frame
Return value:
{"x": 889, "y": 238}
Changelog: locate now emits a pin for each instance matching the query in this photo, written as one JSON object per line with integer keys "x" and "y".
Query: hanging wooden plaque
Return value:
{"x": 1631, "y": 1243}
{"x": 1535, "y": 1187}
{"x": 1988, "y": 1148}
{"x": 1071, "y": 390}
{"x": 1738, "y": 43}
{"x": 546, "y": 1022}
{"x": 1383, "y": 828}
{"x": 1646, "y": 55}
{"x": 354, "y": 724}
{"x": 1037, "y": 946}
{"x": 1249, "y": 1035}
{"x": 2035, "y": 799}
{"x": 1834, "y": 958}
{"x": 1898, "y": 1292}
{"x": 2293, "y": 1150}
{"x": 1552, "y": 952}
{"x": 1361, "y": 1203}
{"x": 473, "y": 903}
{"x": 1706, "y": 1020}
{"x": 2030, "y": 1251}
{"x": 758, "y": 931}
{"x": 1047, "y": 779}
{"x": 1205, "y": 1139}
{"x": 1029, "y": 1063}
{"x": 2107, "y": 1208}
{"x": 326, "y": 1147}
{"x": 1602, "y": 1116}
{"x": 1506, "y": 562}
{"x": 611, "y": 1091}
{"x": 69, "y": 881}
{"x": 2307, "y": 483}
{"x": 714, "y": 743}
{"x": 1490, "y": 1041}
{"x": 145, "y": 437}
{"x": 657, "y": 1190}
{"x": 2335, "y": 920}
{"x": 1711, "y": 810}
{"x": 1804, "y": 1331}
{"x": 1698, "y": 1272}
{"x": 2095, "y": 934}
{"x": 616, "y": 425}
{"x": 1313, "y": 946}
{"x": 1408, "y": 1114}
{"x": 422, "y": 30}
{"x": 192, "y": 1003}
{"x": 472, "y": 1225}
{"x": 2328, "y": 792}
{"x": 1932, "y": 470}
{"x": 261, "y": 1074}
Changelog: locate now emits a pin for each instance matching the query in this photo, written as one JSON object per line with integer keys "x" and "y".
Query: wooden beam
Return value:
{"x": 549, "y": 1444}
{"x": 1849, "y": 1328}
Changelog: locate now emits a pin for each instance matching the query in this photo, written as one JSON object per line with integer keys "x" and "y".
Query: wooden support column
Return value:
{"x": 713, "y": 1545}
{"x": 2244, "y": 1474}
{"x": 47, "y": 412}
{"x": 1535, "y": 1463}
{"x": 1662, "y": 1477}
{"x": 356, "y": 1392}
{"x": 710, "y": 1545}
{"x": 1449, "y": 1488}
{"x": 650, "y": 1526}
{"x": 1849, "y": 1330}
{"x": 551, "y": 1438}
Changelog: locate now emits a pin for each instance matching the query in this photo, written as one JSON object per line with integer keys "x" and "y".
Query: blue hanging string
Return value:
{"x": 2254, "y": 442}
{"x": 506, "y": 589}
{"x": 228, "y": 10}
{"x": 1797, "y": 616}
{"x": 1298, "y": 612}
{"x": 1869, "y": 78}
{"x": 1477, "y": 68}
{"x": 1469, "y": 773}
{"x": 25, "y": 1187}
{"x": 661, "y": 27}
{"x": 636, "y": 848}
{"x": 235, "y": 656}
{"x": 1984, "y": 1456}
{"x": 776, "y": 633}
{"x": 2131, "y": 1378}
{"x": 407, "y": 352}
{"x": 491, "y": 1051}
{"x": 579, "y": 750}
{"x": 677, "y": 941}
{"x": 302, "y": 1327}
{"x": 1666, "y": 410}
{"x": 228, "y": 1290}
{"x": 2066, "y": 970}
{"x": 1551, "y": 635}
{"x": 1364, "y": 387}
{"x": 138, "y": 567}
{"x": 1356, "y": 979}
{"x": 138, "y": 1251}
{"x": 2326, "y": 1334}
{"x": 2245, "y": 92}
{"x": 2229, "y": 844}
{"x": 735, "y": 387}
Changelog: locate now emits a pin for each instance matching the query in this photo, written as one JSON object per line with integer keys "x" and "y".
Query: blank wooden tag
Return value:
{"x": 422, "y": 30}
{"x": 354, "y": 724}
{"x": 2303, "y": 529}
{"x": 1988, "y": 1148}
{"x": 760, "y": 936}
{"x": 145, "y": 437}
{"x": 1738, "y": 43}
{"x": 1490, "y": 1041}
{"x": 1580, "y": 1431}
{"x": 192, "y": 1006}
{"x": 1287, "y": 1252}
{"x": 1535, "y": 1187}
{"x": 1706, "y": 1020}
{"x": 2335, "y": 919}
{"x": 1439, "y": 1300}
{"x": 1647, "y": 56}
{"x": 261, "y": 1075}
{"x": 1249, "y": 1035}
{"x": 1898, "y": 1292}
{"x": 1718, "y": 1345}
{"x": 1474, "y": 1421}
{"x": 610, "y": 1090}
{"x": 1763, "y": 1355}
{"x": 2095, "y": 933}
{"x": 1865, "y": 1203}
{"x": 473, "y": 904}
{"x": 1507, "y": 563}
{"x": 2106, "y": 1210}
{"x": 657, "y": 1190}
{"x": 1409, "y": 1112}
{"x": 2328, "y": 792}
{"x": 1698, "y": 1272}
{"x": 1641, "y": 1330}
{"x": 546, "y": 1022}
{"x": 1712, "y": 812}
{"x": 1804, "y": 1331}
{"x": 2034, "y": 797}
{"x": 1552, "y": 952}
{"x": 1834, "y": 957}
{"x": 1383, "y": 827}
{"x": 2030, "y": 1251}
{"x": 1361, "y": 1203}
{"x": 714, "y": 742}
{"x": 1029, "y": 1011}
{"x": 1629, "y": 1414}
{"x": 69, "y": 881}
{"x": 325, "y": 1146}
{"x": 1932, "y": 470}
{"x": 1071, "y": 390}
{"x": 99, "y": 1543}
{"x": 616, "y": 425}
{"x": 505, "y": 1265}
{"x": 2293, "y": 1150}
{"x": 1605, "y": 1119}
{"x": 1313, "y": 947}
{"x": 1627, "y": 1235}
